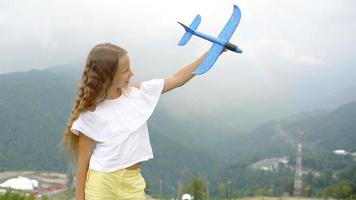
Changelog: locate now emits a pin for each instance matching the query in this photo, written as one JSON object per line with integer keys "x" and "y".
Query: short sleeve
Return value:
{"x": 86, "y": 125}
{"x": 151, "y": 90}
{"x": 137, "y": 108}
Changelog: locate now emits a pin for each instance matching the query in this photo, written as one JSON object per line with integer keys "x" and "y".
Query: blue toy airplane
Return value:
{"x": 220, "y": 43}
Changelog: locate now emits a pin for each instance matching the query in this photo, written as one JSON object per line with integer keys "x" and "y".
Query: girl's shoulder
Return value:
{"x": 152, "y": 84}
{"x": 151, "y": 88}
{"x": 136, "y": 85}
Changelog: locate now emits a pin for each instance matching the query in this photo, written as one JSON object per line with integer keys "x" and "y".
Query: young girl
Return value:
{"x": 106, "y": 135}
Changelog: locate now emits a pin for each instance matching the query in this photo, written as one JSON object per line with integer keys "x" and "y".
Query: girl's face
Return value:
{"x": 124, "y": 73}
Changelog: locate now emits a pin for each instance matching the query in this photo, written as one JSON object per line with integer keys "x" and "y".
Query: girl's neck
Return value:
{"x": 114, "y": 93}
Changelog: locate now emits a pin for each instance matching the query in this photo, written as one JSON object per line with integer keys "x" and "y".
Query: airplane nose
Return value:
{"x": 238, "y": 50}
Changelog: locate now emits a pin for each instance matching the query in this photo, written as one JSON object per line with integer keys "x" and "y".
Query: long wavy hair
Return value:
{"x": 100, "y": 68}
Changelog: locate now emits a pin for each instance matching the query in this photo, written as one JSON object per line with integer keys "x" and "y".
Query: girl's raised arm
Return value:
{"x": 182, "y": 76}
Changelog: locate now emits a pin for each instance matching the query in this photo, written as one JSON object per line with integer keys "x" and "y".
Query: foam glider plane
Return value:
{"x": 219, "y": 43}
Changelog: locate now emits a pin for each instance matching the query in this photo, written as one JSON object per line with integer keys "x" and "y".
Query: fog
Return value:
{"x": 295, "y": 53}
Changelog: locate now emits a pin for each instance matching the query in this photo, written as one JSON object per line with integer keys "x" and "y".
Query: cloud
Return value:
{"x": 271, "y": 54}
{"x": 307, "y": 60}
{"x": 288, "y": 46}
{"x": 2, "y": 18}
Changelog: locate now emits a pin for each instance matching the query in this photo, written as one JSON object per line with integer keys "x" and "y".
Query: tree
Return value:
{"x": 262, "y": 192}
{"x": 14, "y": 195}
{"x": 198, "y": 188}
{"x": 342, "y": 190}
{"x": 222, "y": 190}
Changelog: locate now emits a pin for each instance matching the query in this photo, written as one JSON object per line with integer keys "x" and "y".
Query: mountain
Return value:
{"x": 34, "y": 107}
{"x": 324, "y": 131}
{"x": 32, "y": 114}
{"x": 336, "y": 99}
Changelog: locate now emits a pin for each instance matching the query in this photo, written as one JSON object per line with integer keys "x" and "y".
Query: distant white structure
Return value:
{"x": 271, "y": 164}
{"x": 20, "y": 183}
{"x": 340, "y": 152}
{"x": 187, "y": 197}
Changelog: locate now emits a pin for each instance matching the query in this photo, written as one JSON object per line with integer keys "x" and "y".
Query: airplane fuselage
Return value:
{"x": 228, "y": 45}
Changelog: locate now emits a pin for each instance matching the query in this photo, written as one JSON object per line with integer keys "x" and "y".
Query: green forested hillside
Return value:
{"x": 34, "y": 107}
{"x": 324, "y": 132}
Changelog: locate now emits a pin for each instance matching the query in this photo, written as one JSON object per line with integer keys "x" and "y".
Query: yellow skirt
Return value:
{"x": 123, "y": 184}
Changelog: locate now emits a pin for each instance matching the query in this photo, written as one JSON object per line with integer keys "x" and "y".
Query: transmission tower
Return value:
{"x": 298, "y": 167}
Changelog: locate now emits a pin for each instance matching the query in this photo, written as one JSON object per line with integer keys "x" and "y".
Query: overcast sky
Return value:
{"x": 292, "y": 48}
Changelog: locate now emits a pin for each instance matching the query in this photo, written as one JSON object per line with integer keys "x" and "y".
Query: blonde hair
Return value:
{"x": 100, "y": 68}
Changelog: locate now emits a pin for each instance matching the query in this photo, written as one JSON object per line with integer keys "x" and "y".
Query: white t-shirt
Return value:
{"x": 119, "y": 127}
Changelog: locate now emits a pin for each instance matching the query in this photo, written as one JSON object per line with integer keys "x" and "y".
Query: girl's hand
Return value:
{"x": 225, "y": 49}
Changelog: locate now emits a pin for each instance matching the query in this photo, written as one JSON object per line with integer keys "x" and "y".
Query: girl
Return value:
{"x": 106, "y": 135}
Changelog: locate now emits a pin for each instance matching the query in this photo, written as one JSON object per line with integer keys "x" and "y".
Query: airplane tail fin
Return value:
{"x": 189, "y": 30}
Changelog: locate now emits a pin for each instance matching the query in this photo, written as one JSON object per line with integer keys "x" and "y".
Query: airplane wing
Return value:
{"x": 231, "y": 25}
{"x": 216, "y": 49}
{"x": 210, "y": 58}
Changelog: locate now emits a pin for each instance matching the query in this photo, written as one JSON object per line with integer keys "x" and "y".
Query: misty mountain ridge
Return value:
{"x": 242, "y": 113}
{"x": 35, "y": 105}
